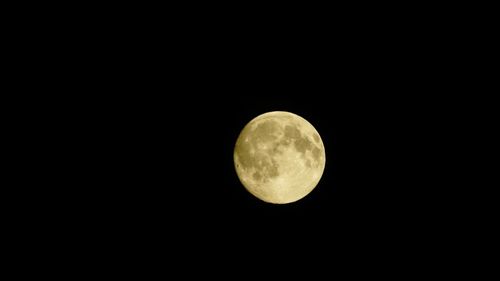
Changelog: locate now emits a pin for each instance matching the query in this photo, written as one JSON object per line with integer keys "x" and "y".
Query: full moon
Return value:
{"x": 279, "y": 157}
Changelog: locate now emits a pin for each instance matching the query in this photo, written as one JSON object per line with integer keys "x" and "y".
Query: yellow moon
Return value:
{"x": 279, "y": 157}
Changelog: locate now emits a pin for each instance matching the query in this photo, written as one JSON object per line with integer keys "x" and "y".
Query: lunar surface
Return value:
{"x": 279, "y": 157}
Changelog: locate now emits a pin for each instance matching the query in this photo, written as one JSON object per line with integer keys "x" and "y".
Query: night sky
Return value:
{"x": 162, "y": 118}
{"x": 168, "y": 167}
{"x": 123, "y": 156}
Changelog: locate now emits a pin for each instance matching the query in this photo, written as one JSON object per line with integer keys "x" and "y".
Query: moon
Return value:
{"x": 279, "y": 157}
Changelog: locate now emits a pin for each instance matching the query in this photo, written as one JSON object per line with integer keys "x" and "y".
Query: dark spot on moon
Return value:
{"x": 265, "y": 167}
{"x": 308, "y": 163}
{"x": 292, "y": 132}
{"x": 272, "y": 170}
{"x": 316, "y": 152}
{"x": 244, "y": 155}
{"x": 265, "y": 131}
{"x": 276, "y": 149}
{"x": 285, "y": 142}
{"x": 247, "y": 148}
{"x": 302, "y": 144}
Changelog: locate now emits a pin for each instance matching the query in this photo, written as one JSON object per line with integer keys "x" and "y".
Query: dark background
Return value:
{"x": 158, "y": 105}
{"x": 164, "y": 158}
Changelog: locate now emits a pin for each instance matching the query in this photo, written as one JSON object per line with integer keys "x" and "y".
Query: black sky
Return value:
{"x": 129, "y": 116}
{"x": 162, "y": 115}
{"x": 170, "y": 169}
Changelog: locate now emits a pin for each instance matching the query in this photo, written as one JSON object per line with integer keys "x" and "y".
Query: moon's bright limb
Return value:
{"x": 279, "y": 157}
